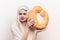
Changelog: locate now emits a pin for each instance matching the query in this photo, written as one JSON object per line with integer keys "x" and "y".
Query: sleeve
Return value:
{"x": 16, "y": 33}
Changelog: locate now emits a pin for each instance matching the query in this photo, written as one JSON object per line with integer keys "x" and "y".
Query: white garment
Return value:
{"x": 18, "y": 32}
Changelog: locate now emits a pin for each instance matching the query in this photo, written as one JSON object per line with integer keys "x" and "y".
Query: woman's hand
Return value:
{"x": 36, "y": 31}
{"x": 30, "y": 22}
{"x": 35, "y": 34}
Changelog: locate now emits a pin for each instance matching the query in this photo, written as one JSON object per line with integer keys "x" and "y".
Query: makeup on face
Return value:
{"x": 22, "y": 13}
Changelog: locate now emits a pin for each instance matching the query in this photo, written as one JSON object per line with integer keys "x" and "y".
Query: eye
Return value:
{"x": 24, "y": 13}
{"x": 20, "y": 13}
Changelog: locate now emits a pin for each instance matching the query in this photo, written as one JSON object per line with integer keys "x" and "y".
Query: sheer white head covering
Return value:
{"x": 17, "y": 29}
{"x": 21, "y": 8}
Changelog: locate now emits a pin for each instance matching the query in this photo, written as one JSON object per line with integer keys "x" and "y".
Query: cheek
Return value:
{"x": 26, "y": 17}
{"x": 19, "y": 16}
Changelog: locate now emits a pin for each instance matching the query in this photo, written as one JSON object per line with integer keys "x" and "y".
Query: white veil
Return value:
{"x": 21, "y": 7}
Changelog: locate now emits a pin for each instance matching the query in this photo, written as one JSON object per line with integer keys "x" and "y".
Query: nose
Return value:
{"x": 22, "y": 16}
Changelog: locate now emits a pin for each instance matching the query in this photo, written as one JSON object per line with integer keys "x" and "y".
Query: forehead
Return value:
{"x": 22, "y": 11}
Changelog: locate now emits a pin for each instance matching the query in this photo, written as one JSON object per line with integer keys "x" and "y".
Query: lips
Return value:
{"x": 22, "y": 18}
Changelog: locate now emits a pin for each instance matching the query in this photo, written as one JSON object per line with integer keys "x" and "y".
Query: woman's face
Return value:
{"x": 22, "y": 15}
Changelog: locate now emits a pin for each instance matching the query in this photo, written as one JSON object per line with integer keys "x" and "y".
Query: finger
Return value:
{"x": 32, "y": 22}
{"x": 29, "y": 20}
{"x": 38, "y": 30}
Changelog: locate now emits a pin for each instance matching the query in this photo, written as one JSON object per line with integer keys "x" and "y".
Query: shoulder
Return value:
{"x": 14, "y": 25}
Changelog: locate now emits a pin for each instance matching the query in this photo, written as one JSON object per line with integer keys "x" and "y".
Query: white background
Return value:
{"x": 8, "y": 12}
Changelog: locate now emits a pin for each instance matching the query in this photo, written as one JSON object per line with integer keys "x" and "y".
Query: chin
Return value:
{"x": 23, "y": 21}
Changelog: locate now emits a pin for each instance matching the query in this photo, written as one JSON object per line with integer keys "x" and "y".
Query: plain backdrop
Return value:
{"x": 8, "y": 14}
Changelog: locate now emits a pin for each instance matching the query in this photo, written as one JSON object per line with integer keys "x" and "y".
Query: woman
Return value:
{"x": 22, "y": 28}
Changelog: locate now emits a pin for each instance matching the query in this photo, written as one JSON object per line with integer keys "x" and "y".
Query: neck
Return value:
{"x": 24, "y": 23}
